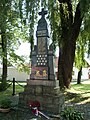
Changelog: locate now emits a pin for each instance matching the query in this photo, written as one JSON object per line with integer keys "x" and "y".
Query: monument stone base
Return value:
{"x": 46, "y": 92}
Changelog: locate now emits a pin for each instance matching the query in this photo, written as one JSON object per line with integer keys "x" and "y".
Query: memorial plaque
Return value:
{"x": 42, "y": 33}
{"x": 39, "y": 73}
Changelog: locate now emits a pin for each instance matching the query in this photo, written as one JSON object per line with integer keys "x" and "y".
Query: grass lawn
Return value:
{"x": 78, "y": 93}
{"x": 9, "y": 91}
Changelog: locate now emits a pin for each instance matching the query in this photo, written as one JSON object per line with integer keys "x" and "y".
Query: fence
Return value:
{"x": 13, "y": 83}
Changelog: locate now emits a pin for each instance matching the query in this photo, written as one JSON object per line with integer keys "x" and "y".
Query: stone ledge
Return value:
{"x": 43, "y": 82}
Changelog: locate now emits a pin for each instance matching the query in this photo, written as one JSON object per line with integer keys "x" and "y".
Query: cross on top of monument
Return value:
{"x": 43, "y": 12}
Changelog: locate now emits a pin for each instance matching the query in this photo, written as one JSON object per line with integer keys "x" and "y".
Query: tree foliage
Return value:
{"x": 15, "y": 30}
{"x": 11, "y": 30}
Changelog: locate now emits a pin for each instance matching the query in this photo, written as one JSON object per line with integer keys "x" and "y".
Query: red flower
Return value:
{"x": 33, "y": 104}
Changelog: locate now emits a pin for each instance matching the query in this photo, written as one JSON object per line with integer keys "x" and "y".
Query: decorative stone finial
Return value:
{"x": 43, "y": 13}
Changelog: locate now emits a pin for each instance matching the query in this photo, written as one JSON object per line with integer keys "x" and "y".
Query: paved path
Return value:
{"x": 25, "y": 114}
{"x": 83, "y": 108}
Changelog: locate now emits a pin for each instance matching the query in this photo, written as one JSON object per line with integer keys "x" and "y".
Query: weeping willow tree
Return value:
{"x": 13, "y": 29}
{"x": 67, "y": 18}
{"x": 4, "y": 9}
{"x": 83, "y": 43}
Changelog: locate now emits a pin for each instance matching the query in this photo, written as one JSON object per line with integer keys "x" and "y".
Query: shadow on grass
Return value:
{"x": 86, "y": 92}
{"x": 75, "y": 98}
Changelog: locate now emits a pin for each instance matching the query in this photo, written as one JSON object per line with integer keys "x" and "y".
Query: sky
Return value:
{"x": 24, "y": 49}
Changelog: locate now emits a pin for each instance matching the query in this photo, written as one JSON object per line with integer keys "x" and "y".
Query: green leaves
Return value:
{"x": 5, "y": 103}
{"x": 71, "y": 114}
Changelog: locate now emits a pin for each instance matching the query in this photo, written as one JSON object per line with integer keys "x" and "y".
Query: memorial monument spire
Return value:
{"x": 42, "y": 69}
{"x": 43, "y": 12}
{"x": 42, "y": 86}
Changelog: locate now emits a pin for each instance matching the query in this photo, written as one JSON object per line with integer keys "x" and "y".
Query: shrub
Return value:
{"x": 5, "y": 103}
{"x": 71, "y": 114}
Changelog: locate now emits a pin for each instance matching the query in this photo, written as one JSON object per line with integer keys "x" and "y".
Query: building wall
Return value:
{"x": 84, "y": 73}
{"x": 14, "y": 73}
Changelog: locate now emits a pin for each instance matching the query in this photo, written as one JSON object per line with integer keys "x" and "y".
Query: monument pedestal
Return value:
{"x": 46, "y": 92}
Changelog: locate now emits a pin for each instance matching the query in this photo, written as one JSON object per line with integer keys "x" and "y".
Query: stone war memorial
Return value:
{"x": 42, "y": 86}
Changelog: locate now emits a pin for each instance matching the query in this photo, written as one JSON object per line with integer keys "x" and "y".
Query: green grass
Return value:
{"x": 8, "y": 92}
{"x": 78, "y": 93}
{"x": 82, "y": 87}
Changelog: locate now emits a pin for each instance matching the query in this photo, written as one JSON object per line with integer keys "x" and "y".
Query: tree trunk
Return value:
{"x": 60, "y": 69}
{"x": 4, "y": 59}
{"x": 70, "y": 32}
{"x": 66, "y": 60}
{"x": 79, "y": 76}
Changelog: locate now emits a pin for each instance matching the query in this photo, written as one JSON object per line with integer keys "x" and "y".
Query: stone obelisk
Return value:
{"x": 42, "y": 86}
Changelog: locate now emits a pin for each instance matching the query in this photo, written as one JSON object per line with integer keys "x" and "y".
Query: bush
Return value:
{"x": 71, "y": 114}
{"x": 5, "y": 103}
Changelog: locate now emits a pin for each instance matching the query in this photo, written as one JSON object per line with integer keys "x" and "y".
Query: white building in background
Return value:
{"x": 14, "y": 73}
{"x": 85, "y": 71}
{"x": 84, "y": 75}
